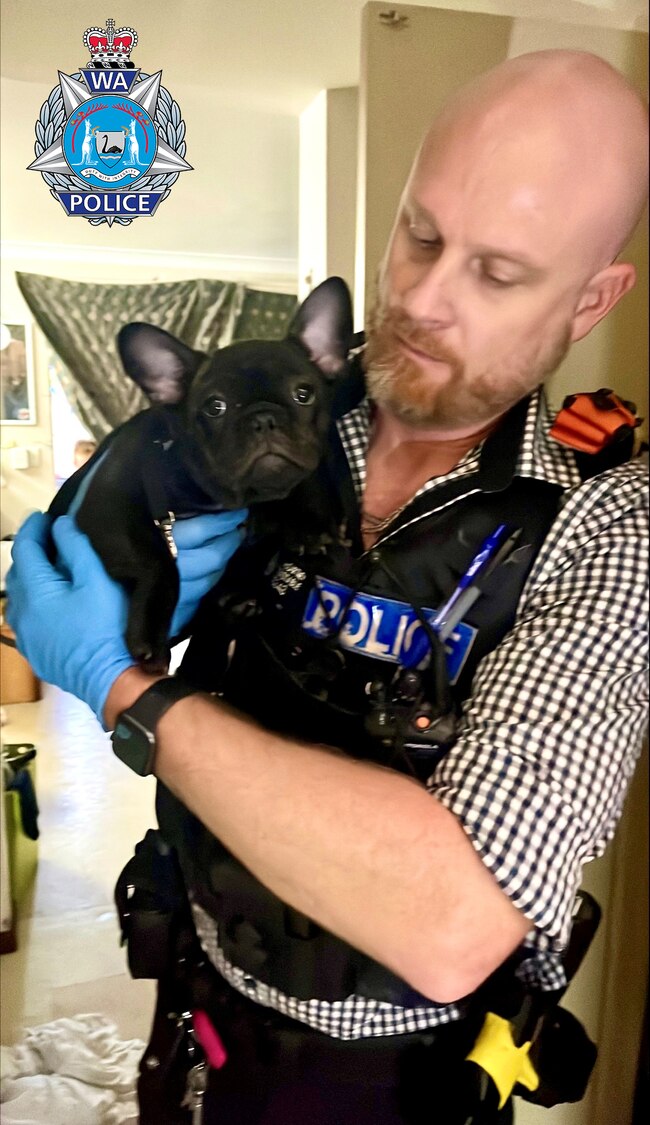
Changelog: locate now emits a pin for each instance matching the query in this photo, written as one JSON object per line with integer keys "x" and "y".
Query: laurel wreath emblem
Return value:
{"x": 168, "y": 123}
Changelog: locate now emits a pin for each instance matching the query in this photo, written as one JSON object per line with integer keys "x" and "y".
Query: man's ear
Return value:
{"x": 159, "y": 363}
{"x": 599, "y": 296}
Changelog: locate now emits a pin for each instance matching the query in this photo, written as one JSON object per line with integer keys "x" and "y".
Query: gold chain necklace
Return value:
{"x": 374, "y": 525}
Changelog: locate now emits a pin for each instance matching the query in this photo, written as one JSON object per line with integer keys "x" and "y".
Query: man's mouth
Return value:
{"x": 418, "y": 353}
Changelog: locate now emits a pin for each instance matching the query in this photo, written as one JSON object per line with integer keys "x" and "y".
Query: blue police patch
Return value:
{"x": 383, "y": 628}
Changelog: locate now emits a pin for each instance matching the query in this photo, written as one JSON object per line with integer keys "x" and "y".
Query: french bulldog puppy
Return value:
{"x": 241, "y": 427}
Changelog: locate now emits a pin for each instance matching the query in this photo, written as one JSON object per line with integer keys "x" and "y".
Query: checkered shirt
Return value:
{"x": 550, "y": 736}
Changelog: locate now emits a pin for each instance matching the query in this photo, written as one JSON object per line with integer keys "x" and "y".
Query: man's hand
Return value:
{"x": 69, "y": 620}
{"x": 205, "y": 545}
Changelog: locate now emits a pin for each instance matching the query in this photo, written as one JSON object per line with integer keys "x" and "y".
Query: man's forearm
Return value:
{"x": 364, "y": 851}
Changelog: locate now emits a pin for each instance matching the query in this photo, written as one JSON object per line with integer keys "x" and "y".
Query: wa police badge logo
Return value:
{"x": 110, "y": 140}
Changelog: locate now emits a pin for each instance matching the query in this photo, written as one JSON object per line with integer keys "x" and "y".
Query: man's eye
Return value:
{"x": 498, "y": 282}
{"x": 427, "y": 241}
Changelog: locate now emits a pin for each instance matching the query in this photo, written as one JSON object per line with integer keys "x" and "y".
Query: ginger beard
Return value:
{"x": 453, "y": 398}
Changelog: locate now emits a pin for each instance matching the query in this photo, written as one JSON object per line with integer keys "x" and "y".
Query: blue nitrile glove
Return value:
{"x": 69, "y": 623}
{"x": 205, "y": 545}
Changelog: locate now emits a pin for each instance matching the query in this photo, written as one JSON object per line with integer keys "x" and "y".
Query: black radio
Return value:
{"x": 401, "y": 715}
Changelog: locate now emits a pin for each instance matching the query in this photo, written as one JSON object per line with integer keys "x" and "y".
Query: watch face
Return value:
{"x": 134, "y": 745}
{"x": 134, "y": 739}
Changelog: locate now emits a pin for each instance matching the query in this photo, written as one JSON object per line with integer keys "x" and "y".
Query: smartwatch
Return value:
{"x": 134, "y": 737}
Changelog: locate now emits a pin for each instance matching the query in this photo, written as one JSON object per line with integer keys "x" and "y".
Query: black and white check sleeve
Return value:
{"x": 557, "y": 714}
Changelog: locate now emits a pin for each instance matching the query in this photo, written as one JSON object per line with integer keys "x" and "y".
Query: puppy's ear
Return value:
{"x": 323, "y": 325}
{"x": 159, "y": 363}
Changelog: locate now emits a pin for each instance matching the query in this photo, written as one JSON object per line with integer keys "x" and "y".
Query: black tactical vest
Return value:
{"x": 326, "y": 642}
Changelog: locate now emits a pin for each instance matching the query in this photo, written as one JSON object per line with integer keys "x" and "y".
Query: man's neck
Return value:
{"x": 401, "y": 459}
{"x": 388, "y": 432}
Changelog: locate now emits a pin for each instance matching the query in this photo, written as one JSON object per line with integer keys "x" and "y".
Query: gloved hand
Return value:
{"x": 205, "y": 545}
{"x": 69, "y": 622}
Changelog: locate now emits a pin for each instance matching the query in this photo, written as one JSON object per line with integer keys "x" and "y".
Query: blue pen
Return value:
{"x": 480, "y": 560}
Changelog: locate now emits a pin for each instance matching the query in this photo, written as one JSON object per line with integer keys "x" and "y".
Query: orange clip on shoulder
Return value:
{"x": 590, "y": 421}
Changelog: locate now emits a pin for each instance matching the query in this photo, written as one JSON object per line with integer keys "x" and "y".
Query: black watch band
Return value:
{"x": 134, "y": 736}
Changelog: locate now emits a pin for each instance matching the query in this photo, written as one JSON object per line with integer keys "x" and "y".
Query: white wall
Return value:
{"x": 328, "y": 173}
{"x": 241, "y": 198}
{"x": 312, "y": 213}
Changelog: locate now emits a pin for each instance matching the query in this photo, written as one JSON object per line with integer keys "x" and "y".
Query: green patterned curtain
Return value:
{"x": 263, "y": 316}
{"x": 81, "y": 321}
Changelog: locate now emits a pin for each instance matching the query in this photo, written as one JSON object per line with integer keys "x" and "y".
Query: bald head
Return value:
{"x": 525, "y": 189}
{"x": 570, "y": 126}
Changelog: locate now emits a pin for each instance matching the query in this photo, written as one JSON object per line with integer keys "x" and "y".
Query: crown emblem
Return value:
{"x": 110, "y": 46}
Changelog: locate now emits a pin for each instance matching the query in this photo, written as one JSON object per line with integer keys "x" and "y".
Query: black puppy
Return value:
{"x": 243, "y": 426}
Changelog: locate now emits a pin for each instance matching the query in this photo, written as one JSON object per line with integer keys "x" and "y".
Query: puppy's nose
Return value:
{"x": 264, "y": 422}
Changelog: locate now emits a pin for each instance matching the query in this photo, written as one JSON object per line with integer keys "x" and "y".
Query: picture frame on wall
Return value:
{"x": 17, "y": 396}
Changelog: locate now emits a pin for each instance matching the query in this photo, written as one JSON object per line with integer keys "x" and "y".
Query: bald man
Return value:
{"x": 447, "y": 701}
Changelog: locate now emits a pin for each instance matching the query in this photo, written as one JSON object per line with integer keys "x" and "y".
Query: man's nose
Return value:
{"x": 430, "y": 295}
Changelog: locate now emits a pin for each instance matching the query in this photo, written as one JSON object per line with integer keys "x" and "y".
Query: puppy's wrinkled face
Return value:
{"x": 253, "y": 416}
{"x": 258, "y": 413}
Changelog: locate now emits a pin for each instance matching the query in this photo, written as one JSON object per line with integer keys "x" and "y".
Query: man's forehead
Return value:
{"x": 570, "y": 152}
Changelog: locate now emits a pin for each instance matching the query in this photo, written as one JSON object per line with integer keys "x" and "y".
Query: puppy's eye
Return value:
{"x": 214, "y": 407}
{"x": 304, "y": 394}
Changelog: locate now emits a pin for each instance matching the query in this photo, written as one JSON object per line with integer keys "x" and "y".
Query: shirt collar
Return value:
{"x": 539, "y": 456}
